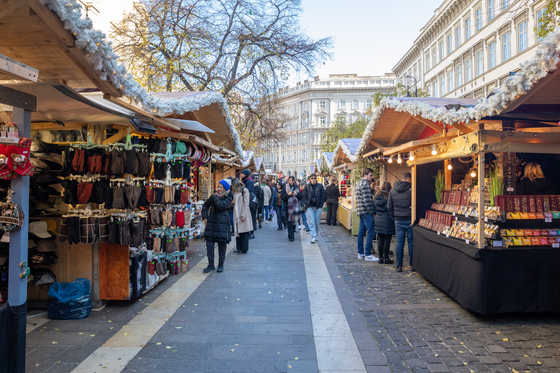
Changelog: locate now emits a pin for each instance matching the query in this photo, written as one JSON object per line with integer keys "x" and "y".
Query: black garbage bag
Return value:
{"x": 72, "y": 300}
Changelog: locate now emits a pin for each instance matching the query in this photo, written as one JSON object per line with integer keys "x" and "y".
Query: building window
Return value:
{"x": 506, "y": 4}
{"x": 342, "y": 104}
{"x": 283, "y": 158}
{"x": 479, "y": 63}
{"x": 441, "y": 51}
{"x": 468, "y": 29}
{"x": 522, "y": 36}
{"x": 355, "y": 105}
{"x": 303, "y": 139}
{"x": 506, "y": 46}
{"x": 295, "y": 156}
{"x": 457, "y": 37}
{"x": 449, "y": 81}
{"x": 322, "y": 105}
{"x": 442, "y": 86}
{"x": 491, "y": 10}
{"x": 294, "y": 141}
{"x": 434, "y": 56}
{"x": 449, "y": 44}
{"x": 492, "y": 55}
{"x": 323, "y": 121}
{"x": 540, "y": 15}
{"x": 469, "y": 69}
{"x": 478, "y": 19}
{"x": 435, "y": 89}
{"x": 459, "y": 76}
{"x": 427, "y": 61}
{"x": 368, "y": 104}
{"x": 303, "y": 156}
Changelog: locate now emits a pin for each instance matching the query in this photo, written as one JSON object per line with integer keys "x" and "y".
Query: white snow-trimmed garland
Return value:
{"x": 105, "y": 62}
{"x": 248, "y": 155}
{"x": 328, "y": 157}
{"x": 353, "y": 157}
{"x": 546, "y": 59}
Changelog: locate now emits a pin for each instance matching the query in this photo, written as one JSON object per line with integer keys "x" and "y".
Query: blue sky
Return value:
{"x": 370, "y": 36}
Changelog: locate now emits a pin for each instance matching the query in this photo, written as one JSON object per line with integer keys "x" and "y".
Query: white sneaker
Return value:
{"x": 313, "y": 240}
{"x": 300, "y": 227}
{"x": 361, "y": 256}
{"x": 371, "y": 258}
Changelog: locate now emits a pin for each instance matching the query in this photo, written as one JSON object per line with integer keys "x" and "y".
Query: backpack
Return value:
{"x": 253, "y": 200}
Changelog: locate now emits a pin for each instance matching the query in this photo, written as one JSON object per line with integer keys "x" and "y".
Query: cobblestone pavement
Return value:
{"x": 420, "y": 329}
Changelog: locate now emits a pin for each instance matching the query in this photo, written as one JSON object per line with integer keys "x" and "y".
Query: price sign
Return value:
{"x": 467, "y": 241}
{"x": 556, "y": 245}
{"x": 486, "y": 219}
{"x": 453, "y": 214}
{"x": 498, "y": 244}
{"x": 439, "y": 233}
{"x": 548, "y": 220}
{"x": 447, "y": 235}
{"x": 510, "y": 189}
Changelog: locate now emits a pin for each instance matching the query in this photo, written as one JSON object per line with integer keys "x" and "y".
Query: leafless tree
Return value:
{"x": 244, "y": 49}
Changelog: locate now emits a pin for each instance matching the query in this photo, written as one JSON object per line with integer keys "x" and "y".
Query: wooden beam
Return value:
{"x": 429, "y": 123}
{"x": 462, "y": 128}
{"x": 399, "y": 128}
{"x": 15, "y": 5}
{"x": 22, "y": 100}
{"x": 55, "y": 126}
{"x": 116, "y": 137}
{"x": 375, "y": 143}
{"x": 13, "y": 69}
{"x": 55, "y": 28}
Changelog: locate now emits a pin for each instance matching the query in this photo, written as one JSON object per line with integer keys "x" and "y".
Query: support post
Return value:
{"x": 98, "y": 135}
{"x": 17, "y": 288}
{"x": 413, "y": 195}
{"x": 481, "y": 191}
{"x": 447, "y": 174}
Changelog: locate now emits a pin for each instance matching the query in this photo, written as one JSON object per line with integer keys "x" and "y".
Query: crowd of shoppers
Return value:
{"x": 239, "y": 206}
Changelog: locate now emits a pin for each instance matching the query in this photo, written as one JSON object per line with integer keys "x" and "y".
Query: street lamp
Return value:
{"x": 415, "y": 85}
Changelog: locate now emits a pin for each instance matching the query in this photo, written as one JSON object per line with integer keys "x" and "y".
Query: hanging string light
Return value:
{"x": 473, "y": 173}
{"x": 434, "y": 151}
{"x": 410, "y": 156}
{"x": 449, "y": 166}
{"x": 390, "y": 159}
{"x": 399, "y": 160}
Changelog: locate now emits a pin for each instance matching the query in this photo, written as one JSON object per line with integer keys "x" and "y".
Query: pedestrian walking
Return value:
{"x": 250, "y": 185}
{"x": 267, "y": 192}
{"x": 332, "y": 195}
{"x": 365, "y": 209}
{"x": 215, "y": 212}
{"x": 291, "y": 195}
{"x": 259, "y": 193}
{"x": 314, "y": 199}
{"x": 384, "y": 224}
{"x": 241, "y": 216}
{"x": 278, "y": 205}
{"x": 303, "y": 220}
{"x": 398, "y": 206}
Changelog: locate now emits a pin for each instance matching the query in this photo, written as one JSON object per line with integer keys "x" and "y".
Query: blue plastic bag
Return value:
{"x": 72, "y": 300}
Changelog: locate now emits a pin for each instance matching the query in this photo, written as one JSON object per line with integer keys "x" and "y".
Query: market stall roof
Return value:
{"x": 54, "y": 39}
{"x": 345, "y": 152}
{"x": 328, "y": 159}
{"x": 259, "y": 164}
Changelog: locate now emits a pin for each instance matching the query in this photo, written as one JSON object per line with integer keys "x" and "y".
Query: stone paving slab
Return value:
{"x": 418, "y": 328}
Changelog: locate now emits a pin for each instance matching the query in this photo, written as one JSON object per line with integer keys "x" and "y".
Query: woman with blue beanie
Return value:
{"x": 216, "y": 214}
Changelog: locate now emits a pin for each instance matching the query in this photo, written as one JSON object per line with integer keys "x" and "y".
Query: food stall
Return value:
{"x": 489, "y": 248}
{"x": 343, "y": 161}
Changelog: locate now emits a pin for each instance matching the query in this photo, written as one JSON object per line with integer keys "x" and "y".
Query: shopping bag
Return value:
{"x": 272, "y": 213}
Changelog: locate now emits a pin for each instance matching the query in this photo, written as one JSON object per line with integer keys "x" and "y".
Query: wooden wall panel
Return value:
{"x": 114, "y": 272}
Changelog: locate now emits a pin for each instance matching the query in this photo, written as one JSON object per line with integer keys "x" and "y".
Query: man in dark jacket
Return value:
{"x": 277, "y": 203}
{"x": 398, "y": 206}
{"x": 332, "y": 194}
{"x": 314, "y": 199}
{"x": 365, "y": 209}
{"x": 216, "y": 213}
{"x": 260, "y": 205}
{"x": 250, "y": 185}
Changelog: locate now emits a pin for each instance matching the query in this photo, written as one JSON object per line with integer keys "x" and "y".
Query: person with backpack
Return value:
{"x": 291, "y": 195}
{"x": 215, "y": 212}
{"x": 260, "y": 205}
{"x": 253, "y": 202}
{"x": 242, "y": 222}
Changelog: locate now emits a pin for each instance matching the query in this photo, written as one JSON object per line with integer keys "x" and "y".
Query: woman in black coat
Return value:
{"x": 384, "y": 225}
{"x": 218, "y": 225}
{"x": 332, "y": 194}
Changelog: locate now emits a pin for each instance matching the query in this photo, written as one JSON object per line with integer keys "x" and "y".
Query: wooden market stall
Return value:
{"x": 343, "y": 161}
{"x": 490, "y": 248}
{"x": 76, "y": 96}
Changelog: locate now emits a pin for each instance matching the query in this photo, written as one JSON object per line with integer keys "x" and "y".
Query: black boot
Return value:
{"x": 220, "y": 267}
{"x": 209, "y": 269}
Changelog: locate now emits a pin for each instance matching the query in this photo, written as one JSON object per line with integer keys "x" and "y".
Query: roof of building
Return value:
{"x": 346, "y": 151}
